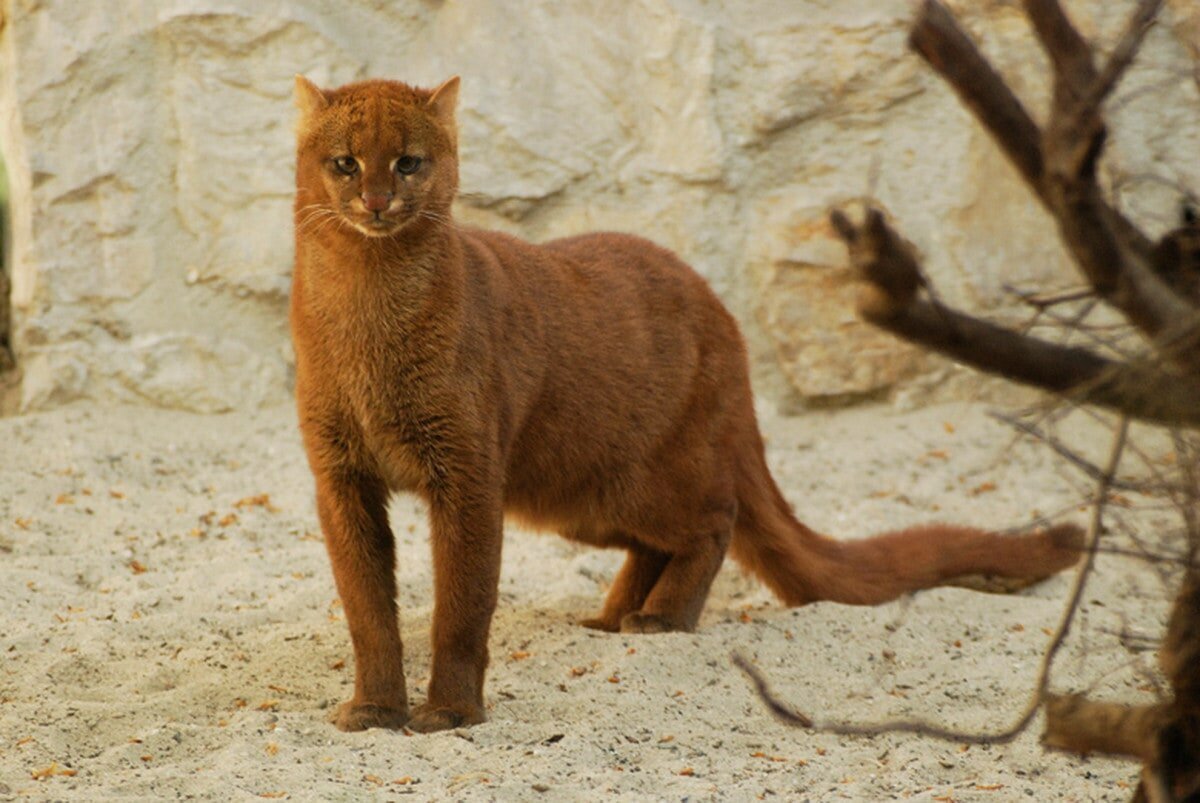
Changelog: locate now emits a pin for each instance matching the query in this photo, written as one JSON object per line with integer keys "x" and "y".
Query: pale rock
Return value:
{"x": 194, "y": 373}
{"x": 807, "y": 294}
{"x": 203, "y": 374}
{"x": 54, "y": 376}
{"x": 149, "y": 146}
{"x": 814, "y": 60}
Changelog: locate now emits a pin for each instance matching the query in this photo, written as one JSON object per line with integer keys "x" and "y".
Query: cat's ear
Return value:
{"x": 309, "y": 98}
{"x": 443, "y": 101}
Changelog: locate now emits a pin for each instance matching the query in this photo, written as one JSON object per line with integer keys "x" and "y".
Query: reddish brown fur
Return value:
{"x": 592, "y": 385}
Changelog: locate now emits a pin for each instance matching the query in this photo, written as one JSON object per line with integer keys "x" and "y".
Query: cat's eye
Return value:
{"x": 346, "y": 165}
{"x": 407, "y": 165}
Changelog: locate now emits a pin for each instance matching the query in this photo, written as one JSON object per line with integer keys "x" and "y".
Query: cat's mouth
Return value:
{"x": 381, "y": 225}
{"x": 377, "y": 225}
{"x": 386, "y": 222}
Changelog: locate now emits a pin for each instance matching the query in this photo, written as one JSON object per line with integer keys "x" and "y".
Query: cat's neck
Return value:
{"x": 412, "y": 257}
{"x": 399, "y": 278}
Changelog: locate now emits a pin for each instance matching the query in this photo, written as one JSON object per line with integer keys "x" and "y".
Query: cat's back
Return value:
{"x": 608, "y": 265}
{"x": 617, "y": 262}
{"x": 606, "y": 289}
{"x": 620, "y": 253}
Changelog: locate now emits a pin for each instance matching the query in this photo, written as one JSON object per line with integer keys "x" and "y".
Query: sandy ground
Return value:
{"x": 169, "y": 628}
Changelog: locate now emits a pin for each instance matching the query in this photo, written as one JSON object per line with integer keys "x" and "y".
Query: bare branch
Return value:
{"x": 1173, "y": 560}
{"x": 1156, "y": 287}
{"x": 783, "y": 712}
{"x": 1180, "y": 654}
{"x": 1118, "y": 267}
{"x": 1153, "y": 788}
{"x": 1042, "y": 301}
{"x": 1069, "y": 53}
{"x": 1166, "y": 736}
{"x": 1089, "y": 468}
{"x": 898, "y": 277}
{"x": 1186, "y": 458}
{"x": 886, "y": 260}
{"x": 1178, "y": 758}
{"x": 1138, "y": 26}
{"x": 1059, "y": 165}
{"x": 937, "y": 38}
{"x": 790, "y": 716}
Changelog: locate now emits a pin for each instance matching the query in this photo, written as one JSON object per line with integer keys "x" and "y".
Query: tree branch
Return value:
{"x": 1136, "y": 28}
{"x": 1070, "y": 56}
{"x": 1058, "y": 165}
{"x": 881, "y": 256}
{"x": 1071, "y": 146}
{"x": 937, "y": 38}
{"x": 1164, "y": 737}
{"x": 1093, "y": 471}
{"x": 1154, "y": 286}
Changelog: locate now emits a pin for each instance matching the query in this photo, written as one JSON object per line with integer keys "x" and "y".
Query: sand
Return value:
{"x": 169, "y": 628}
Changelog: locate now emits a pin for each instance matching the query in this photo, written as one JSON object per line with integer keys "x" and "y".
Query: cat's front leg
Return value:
{"x": 466, "y": 521}
{"x": 353, "y": 512}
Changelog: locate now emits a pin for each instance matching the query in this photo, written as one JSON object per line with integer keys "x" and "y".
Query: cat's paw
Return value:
{"x": 648, "y": 623}
{"x": 429, "y": 718}
{"x": 351, "y": 716}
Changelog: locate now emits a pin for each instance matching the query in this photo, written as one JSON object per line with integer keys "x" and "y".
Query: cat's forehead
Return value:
{"x": 395, "y": 94}
{"x": 380, "y": 114}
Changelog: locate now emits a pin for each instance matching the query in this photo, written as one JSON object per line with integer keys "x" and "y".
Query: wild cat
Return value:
{"x": 593, "y": 385}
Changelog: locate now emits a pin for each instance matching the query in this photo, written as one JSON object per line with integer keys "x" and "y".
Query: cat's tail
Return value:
{"x": 803, "y": 566}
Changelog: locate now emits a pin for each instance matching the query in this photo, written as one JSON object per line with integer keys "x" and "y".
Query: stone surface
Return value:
{"x": 149, "y": 146}
{"x": 807, "y": 308}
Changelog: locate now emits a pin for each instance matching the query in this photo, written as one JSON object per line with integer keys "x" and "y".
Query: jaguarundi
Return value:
{"x": 593, "y": 385}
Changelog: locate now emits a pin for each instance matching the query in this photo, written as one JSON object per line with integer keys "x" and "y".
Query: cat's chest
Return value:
{"x": 400, "y": 461}
{"x": 387, "y": 381}
{"x": 389, "y": 416}
{"x": 372, "y": 408}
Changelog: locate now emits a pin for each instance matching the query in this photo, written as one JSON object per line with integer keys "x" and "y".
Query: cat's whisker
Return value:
{"x": 318, "y": 218}
{"x": 311, "y": 217}
{"x": 307, "y": 213}
{"x": 310, "y": 207}
{"x": 337, "y": 220}
{"x": 320, "y": 221}
{"x": 317, "y": 214}
{"x": 315, "y": 226}
{"x": 438, "y": 217}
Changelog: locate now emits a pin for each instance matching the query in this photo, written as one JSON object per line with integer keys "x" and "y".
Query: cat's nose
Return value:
{"x": 376, "y": 201}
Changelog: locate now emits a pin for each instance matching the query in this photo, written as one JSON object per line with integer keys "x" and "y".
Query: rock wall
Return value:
{"x": 149, "y": 147}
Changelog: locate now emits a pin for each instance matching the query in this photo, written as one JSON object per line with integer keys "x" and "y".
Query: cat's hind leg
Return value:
{"x": 688, "y": 520}
{"x": 678, "y": 596}
{"x": 641, "y": 571}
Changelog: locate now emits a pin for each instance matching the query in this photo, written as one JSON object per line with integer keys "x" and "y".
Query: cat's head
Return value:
{"x": 376, "y": 155}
